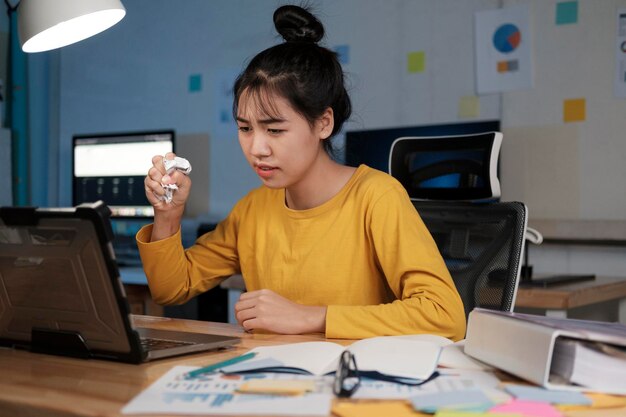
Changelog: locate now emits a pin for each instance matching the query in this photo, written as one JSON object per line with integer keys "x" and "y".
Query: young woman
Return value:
{"x": 322, "y": 247}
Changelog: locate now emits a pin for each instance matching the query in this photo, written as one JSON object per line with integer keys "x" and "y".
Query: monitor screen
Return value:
{"x": 112, "y": 168}
{"x": 371, "y": 147}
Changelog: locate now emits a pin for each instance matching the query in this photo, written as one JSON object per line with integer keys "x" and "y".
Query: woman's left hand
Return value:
{"x": 264, "y": 309}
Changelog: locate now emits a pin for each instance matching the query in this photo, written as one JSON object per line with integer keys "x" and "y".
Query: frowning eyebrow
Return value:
{"x": 263, "y": 121}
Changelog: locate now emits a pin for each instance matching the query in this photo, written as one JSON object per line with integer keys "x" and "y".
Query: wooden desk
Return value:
{"x": 558, "y": 299}
{"x": 37, "y": 385}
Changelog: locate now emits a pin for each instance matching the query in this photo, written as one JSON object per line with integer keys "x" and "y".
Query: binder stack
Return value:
{"x": 556, "y": 353}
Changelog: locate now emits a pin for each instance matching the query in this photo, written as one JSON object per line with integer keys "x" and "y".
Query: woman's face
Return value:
{"x": 281, "y": 147}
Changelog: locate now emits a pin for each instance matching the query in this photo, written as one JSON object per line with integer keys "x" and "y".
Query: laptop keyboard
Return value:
{"x": 149, "y": 344}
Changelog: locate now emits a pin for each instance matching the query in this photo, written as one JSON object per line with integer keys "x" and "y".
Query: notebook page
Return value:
{"x": 397, "y": 357}
{"x": 313, "y": 357}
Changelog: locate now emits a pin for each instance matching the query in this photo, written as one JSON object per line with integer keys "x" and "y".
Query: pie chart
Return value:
{"x": 507, "y": 38}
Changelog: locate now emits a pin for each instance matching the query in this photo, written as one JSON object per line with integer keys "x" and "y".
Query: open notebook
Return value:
{"x": 61, "y": 293}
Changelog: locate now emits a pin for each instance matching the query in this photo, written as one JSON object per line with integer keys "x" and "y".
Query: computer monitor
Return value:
{"x": 111, "y": 167}
{"x": 371, "y": 147}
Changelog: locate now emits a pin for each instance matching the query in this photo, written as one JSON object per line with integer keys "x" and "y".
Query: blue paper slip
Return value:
{"x": 474, "y": 400}
{"x": 260, "y": 365}
{"x": 530, "y": 393}
{"x": 217, "y": 366}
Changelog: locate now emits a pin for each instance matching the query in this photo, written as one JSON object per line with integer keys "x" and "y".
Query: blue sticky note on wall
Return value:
{"x": 343, "y": 54}
{"x": 566, "y": 12}
{"x": 195, "y": 83}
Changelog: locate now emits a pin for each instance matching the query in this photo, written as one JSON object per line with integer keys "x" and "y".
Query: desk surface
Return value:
{"x": 563, "y": 297}
{"x": 44, "y": 385}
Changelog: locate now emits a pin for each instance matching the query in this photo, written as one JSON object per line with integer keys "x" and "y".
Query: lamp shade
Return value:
{"x": 50, "y": 24}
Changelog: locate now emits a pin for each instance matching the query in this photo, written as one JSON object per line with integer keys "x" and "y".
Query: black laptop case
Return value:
{"x": 60, "y": 287}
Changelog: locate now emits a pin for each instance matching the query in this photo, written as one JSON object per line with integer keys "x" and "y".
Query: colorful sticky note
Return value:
{"x": 277, "y": 387}
{"x": 416, "y": 61}
{"x": 566, "y": 12}
{"x": 195, "y": 83}
{"x": 448, "y": 413}
{"x": 527, "y": 408}
{"x": 464, "y": 400}
{"x": 343, "y": 54}
{"x": 374, "y": 409}
{"x": 469, "y": 107}
{"x": 598, "y": 400}
{"x": 574, "y": 110}
{"x": 531, "y": 393}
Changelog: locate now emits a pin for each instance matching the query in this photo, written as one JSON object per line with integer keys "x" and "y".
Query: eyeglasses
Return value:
{"x": 347, "y": 378}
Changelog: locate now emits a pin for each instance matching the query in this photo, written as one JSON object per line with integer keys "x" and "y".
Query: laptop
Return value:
{"x": 61, "y": 293}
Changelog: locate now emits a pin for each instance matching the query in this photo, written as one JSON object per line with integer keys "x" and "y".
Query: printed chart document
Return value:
{"x": 448, "y": 380}
{"x": 216, "y": 394}
{"x": 406, "y": 360}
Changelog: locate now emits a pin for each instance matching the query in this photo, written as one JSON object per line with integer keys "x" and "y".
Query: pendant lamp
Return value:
{"x": 50, "y": 24}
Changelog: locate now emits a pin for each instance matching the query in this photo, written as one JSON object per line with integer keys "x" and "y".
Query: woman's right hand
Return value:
{"x": 155, "y": 193}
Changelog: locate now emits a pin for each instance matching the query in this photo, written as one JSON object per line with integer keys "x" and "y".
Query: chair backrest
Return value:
{"x": 482, "y": 245}
{"x": 451, "y": 168}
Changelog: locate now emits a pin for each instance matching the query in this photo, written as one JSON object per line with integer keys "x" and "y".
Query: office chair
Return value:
{"x": 482, "y": 246}
{"x": 481, "y": 240}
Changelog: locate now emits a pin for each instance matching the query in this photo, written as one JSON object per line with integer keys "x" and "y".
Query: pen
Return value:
{"x": 216, "y": 366}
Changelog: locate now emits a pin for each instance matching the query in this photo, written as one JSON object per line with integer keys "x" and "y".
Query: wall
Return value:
{"x": 6, "y": 197}
{"x": 4, "y": 50}
{"x": 43, "y": 109}
{"x": 568, "y": 170}
{"x": 136, "y": 76}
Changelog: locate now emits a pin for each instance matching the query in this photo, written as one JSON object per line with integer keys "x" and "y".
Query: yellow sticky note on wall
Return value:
{"x": 416, "y": 61}
{"x": 469, "y": 106}
{"x": 574, "y": 110}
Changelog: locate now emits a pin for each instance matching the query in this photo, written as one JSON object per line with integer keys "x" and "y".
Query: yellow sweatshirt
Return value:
{"x": 365, "y": 254}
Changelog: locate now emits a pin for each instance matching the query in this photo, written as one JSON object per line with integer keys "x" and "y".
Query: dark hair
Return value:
{"x": 307, "y": 75}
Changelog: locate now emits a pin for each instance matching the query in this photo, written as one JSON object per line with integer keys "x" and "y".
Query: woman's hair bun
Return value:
{"x": 296, "y": 24}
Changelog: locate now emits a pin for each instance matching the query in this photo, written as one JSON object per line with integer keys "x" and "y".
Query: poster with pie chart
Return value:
{"x": 507, "y": 38}
{"x": 503, "y": 50}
